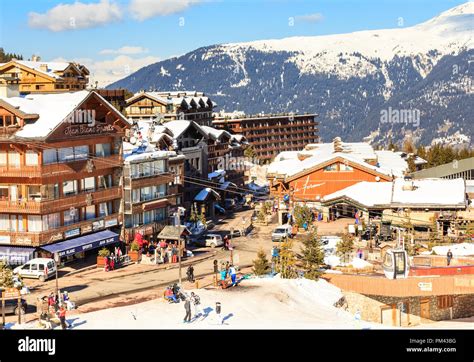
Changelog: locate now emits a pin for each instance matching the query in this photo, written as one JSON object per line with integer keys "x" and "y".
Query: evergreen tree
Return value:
{"x": 345, "y": 246}
{"x": 287, "y": 263}
{"x": 250, "y": 152}
{"x": 193, "y": 217}
{"x": 6, "y": 276}
{"x": 313, "y": 256}
{"x": 261, "y": 265}
{"x": 302, "y": 215}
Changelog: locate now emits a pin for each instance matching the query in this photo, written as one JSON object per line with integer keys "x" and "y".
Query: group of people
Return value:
{"x": 113, "y": 260}
{"x": 54, "y": 305}
{"x": 229, "y": 271}
{"x": 164, "y": 252}
{"x": 196, "y": 302}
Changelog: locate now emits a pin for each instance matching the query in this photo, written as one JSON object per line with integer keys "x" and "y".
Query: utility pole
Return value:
{"x": 179, "y": 242}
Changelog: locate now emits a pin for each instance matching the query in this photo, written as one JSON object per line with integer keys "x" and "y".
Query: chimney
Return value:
{"x": 35, "y": 58}
{"x": 337, "y": 143}
{"x": 44, "y": 67}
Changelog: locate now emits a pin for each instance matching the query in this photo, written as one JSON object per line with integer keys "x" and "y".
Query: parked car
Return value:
{"x": 212, "y": 240}
{"x": 282, "y": 232}
{"x": 11, "y": 306}
{"x": 39, "y": 268}
{"x": 330, "y": 244}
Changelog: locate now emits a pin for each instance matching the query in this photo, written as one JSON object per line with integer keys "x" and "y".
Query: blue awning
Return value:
{"x": 83, "y": 243}
{"x": 16, "y": 255}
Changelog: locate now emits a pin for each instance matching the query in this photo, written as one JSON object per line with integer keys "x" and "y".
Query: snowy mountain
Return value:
{"x": 350, "y": 80}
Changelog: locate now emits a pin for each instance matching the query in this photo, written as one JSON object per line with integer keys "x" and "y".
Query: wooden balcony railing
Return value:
{"x": 49, "y": 206}
{"x": 58, "y": 169}
{"x": 54, "y": 235}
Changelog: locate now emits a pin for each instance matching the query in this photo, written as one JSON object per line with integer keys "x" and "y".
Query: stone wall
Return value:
{"x": 371, "y": 307}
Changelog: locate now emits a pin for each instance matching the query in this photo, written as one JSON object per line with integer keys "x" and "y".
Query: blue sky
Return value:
{"x": 158, "y": 32}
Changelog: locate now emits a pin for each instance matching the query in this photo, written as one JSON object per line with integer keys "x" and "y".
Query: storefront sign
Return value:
{"x": 96, "y": 225}
{"x": 85, "y": 129}
{"x": 86, "y": 229}
{"x": 73, "y": 232}
{"x": 23, "y": 240}
{"x": 5, "y": 239}
{"x": 55, "y": 237}
{"x": 111, "y": 222}
{"x": 11, "y": 293}
{"x": 425, "y": 287}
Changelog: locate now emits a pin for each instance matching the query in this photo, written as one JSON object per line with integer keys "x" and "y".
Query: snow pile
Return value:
{"x": 358, "y": 263}
{"x": 332, "y": 260}
{"x": 463, "y": 249}
{"x": 256, "y": 303}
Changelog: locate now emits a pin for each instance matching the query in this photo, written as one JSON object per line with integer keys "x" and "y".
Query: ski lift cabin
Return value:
{"x": 396, "y": 264}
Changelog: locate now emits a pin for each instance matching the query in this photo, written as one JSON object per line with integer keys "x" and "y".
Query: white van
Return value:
{"x": 282, "y": 232}
{"x": 39, "y": 268}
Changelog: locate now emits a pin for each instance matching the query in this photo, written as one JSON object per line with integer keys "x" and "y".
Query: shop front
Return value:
{"x": 80, "y": 247}
{"x": 16, "y": 255}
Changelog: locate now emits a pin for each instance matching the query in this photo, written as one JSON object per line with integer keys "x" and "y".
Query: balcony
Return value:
{"x": 50, "y": 206}
{"x": 54, "y": 235}
{"x": 59, "y": 169}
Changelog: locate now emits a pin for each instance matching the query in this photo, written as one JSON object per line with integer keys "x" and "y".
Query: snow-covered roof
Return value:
{"x": 365, "y": 193}
{"x": 51, "y": 108}
{"x": 180, "y": 126}
{"x": 205, "y": 193}
{"x": 427, "y": 192}
{"x": 387, "y": 162}
{"x": 215, "y": 133}
{"x": 292, "y": 167}
{"x": 148, "y": 155}
{"x": 216, "y": 173}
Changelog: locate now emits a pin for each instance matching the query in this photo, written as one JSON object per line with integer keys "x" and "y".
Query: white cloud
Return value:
{"x": 145, "y": 9}
{"x": 310, "y": 18}
{"x": 108, "y": 71}
{"x": 76, "y": 16}
{"x": 125, "y": 50}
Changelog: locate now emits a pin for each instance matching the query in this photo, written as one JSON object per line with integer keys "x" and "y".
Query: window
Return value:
{"x": 70, "y": 187}
{"x": 66, "y": 154}
{"x": 102, "y": 149}
{"x": 50, "y": 156}
{"x": 158, "y": 166}
{"x": 50, "y": 192}
{"x": 34, "y": 223}
{"x": 81, "y": 152}
{"x": 136, "y": 195}
{"x": 105, "y": 181}
{"x": 148, "y": 217}
{"x": 33, "y": 192}
{"x": 344, "y": 167}
{"x": 13, "y": 159}
{"x": 159, "y": 214}
{"x": 159, "y": 191}
{"x": 71, "y": 216}
{"x": 146, "y": 166}
{"x": 88, "y": 184}
{"x": 3, "y": 192}
{"x": 445, "y": 301}
{"x": 90, "y": 212}
{"x": 51, "y": 221}
{"x": 31, "y": 158}
{"x": 4, "y": 222}
{"x": 145, "y": 193}
{"x": 105, "y": 209}
{"x": 332, "y": 167}
{"x": 3, "y": 158}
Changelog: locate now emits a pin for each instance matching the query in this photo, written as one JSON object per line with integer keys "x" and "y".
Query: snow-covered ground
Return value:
{"x": 462, "y": 249}
{"x": 255, "y": 303}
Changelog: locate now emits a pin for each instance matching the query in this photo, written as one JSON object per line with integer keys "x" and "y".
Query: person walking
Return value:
{"x": 449, "y": 256}
{"x": 233, "y": 274}
{"x": 190, "y": 274}
{"x": 218, "y": 313}
{"x": 62, "y": 317}
{"x": 223, "y": 277}
{"x": 197, "y": 304}
{"x": 187, "y": 308}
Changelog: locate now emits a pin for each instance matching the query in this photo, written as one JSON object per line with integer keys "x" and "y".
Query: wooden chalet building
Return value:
{"x": 60, "y": 173}
{"x": 45, "y": 77}
{"x": 169, "y": 106}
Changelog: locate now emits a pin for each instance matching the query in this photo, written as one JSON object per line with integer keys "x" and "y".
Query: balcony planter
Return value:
{"x": 100, "y": 262}
{"x": 103, "y": 253}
